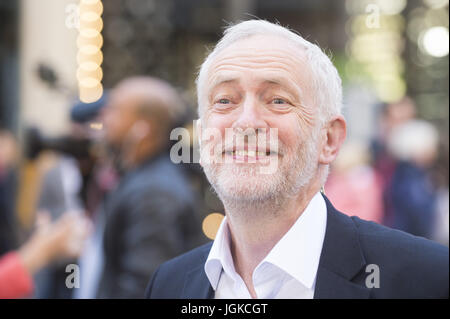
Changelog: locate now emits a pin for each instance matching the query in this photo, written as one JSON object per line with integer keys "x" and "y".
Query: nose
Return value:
{"x": 250, "y": 116}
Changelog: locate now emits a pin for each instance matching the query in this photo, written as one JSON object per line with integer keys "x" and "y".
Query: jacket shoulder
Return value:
{"x": 168, "y": 280}
{"x": 409, "y": 265}
{"x": 384, "y": 239}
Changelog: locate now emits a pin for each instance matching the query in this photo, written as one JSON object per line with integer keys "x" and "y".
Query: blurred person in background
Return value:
{"x": 392, "y": 115}
{"x": 150, "y": 217}
{"x": 63, "y": 238}
{"x": 354, "y": 186}
{"x": 410, "y": 196}
{"x": 68, "y": 184}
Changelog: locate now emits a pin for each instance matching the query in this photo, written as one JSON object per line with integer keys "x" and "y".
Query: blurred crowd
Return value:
{"x": 112, "y": 202}
{"x": 402, "y": 173}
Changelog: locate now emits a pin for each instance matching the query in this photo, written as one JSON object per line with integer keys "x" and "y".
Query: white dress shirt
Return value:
{"x": 287, "y": 272}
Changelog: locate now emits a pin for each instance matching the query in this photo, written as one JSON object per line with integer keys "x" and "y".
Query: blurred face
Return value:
{"x": 118, "y": 117}
{"x": 259, "y": 85}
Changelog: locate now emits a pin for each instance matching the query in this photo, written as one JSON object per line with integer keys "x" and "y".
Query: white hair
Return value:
{"x": 326, "y": 83}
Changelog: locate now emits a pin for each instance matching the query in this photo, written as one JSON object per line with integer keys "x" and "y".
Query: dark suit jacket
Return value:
{"x": 409, "y": 266}
{"x": 150, "y": 218}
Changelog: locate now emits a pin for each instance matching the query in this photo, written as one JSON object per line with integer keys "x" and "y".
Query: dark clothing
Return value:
{"x": 57, "y": 197}
{"x": 411, "y": 201}
{"x": 409, "y": 266}
{"x": 150, "y": 218}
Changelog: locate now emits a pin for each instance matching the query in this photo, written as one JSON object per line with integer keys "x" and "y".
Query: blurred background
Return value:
{"x": 59, "y": 59}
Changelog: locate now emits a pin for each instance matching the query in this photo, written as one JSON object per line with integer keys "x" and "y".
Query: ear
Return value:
{"x": 336, "y": 131}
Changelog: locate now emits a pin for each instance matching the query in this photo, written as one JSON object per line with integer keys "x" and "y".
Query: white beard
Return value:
{"x": 242, "y": 185}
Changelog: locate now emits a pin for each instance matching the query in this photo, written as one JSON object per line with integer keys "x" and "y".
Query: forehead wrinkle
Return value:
{"x": 253, "y": 60}
{"x": 234, "y": 60}
{"x": 262, "y": 61}
{"x": 243, "y": 51}
{"x": 221, "y": 78}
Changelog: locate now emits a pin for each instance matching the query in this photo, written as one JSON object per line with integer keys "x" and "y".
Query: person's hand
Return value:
{"x": 8, "y": 150}
{"x": 50, "y": 241}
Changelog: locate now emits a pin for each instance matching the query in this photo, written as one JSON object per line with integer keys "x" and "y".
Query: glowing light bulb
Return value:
{"x": 434, "y": 41}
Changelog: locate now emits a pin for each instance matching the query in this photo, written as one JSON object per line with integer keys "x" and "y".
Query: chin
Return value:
{"x": 244, "y": 182}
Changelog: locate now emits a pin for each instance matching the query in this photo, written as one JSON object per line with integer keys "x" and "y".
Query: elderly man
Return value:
{"x": 281, "y": 238}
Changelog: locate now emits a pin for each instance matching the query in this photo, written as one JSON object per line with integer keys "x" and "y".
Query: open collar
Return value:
{"x": 340, "y": 261}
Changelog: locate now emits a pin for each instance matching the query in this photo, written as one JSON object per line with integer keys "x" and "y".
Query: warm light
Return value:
{"x": 96, "y": 57}
{"x": 89, "y": 16}
{"x": 89, "y": 33}
{"x": 95, "y": 7}
{"x": 90, "y": 94}
{"x": 85, "y": 74}
{"x": 90, "y": 57}
{"x": 375, "y": 49}
{"x": 89, "y": 82}
{"x": 211, "y": 225}
{"x": 96, "y": 24}
{"x": 89, "y": 49}
{"x": 434, "y": 41}
{"x": 392, "y": 7}
{"x": 91, "y": 40}
{"x": 89, "y": 66}
{"x": 390, "y": 88}
{"x": 96, "y": 126}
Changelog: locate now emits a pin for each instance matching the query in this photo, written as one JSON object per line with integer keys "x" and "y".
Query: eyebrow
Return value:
{"x": 277, "y": 80}
{"x": 285, "y": 82}
{"x": 222, "y": 79}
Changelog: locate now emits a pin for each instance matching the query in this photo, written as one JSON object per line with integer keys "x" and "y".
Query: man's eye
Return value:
{"x": 223, "y": 104}
{"x": 224, "y": 101}
{"x": 279, "y": 101}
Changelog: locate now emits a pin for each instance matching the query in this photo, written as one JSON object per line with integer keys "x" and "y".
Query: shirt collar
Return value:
{"x": 220, "y": 256}
{"x": 297, "y": 253}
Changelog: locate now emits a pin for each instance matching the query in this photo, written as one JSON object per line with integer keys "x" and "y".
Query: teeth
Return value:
{"x": 249, "y": 153}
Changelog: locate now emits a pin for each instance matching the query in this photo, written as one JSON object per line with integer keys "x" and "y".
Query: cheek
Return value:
{"x": 219, "y": 122}
{"x": 289, "y": 131}
{"x": 117, "y": 124}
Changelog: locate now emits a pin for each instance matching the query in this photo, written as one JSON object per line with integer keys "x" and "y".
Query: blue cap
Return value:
{"x": 84, "y": 112}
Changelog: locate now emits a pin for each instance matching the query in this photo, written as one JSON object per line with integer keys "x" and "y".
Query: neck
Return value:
{"x": 134, "y": 156}
{"x": 257, "y": 227}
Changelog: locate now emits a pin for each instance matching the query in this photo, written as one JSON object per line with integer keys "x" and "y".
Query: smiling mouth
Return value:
{"x": 250, "y": 155}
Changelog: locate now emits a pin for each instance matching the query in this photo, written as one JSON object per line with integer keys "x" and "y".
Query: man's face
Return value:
{"x": 259, "y": 84}
{"x": 118, "y": 117}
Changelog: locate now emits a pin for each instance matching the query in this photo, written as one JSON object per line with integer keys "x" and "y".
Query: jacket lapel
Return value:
{"x": 196, "y": 284}
{"x": 341, "y": 259}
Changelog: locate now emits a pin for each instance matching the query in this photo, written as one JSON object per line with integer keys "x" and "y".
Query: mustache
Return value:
{"x": 253, "y": 144}
{"x": 272, "y": 149}
{"x": 248, "y": 140}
